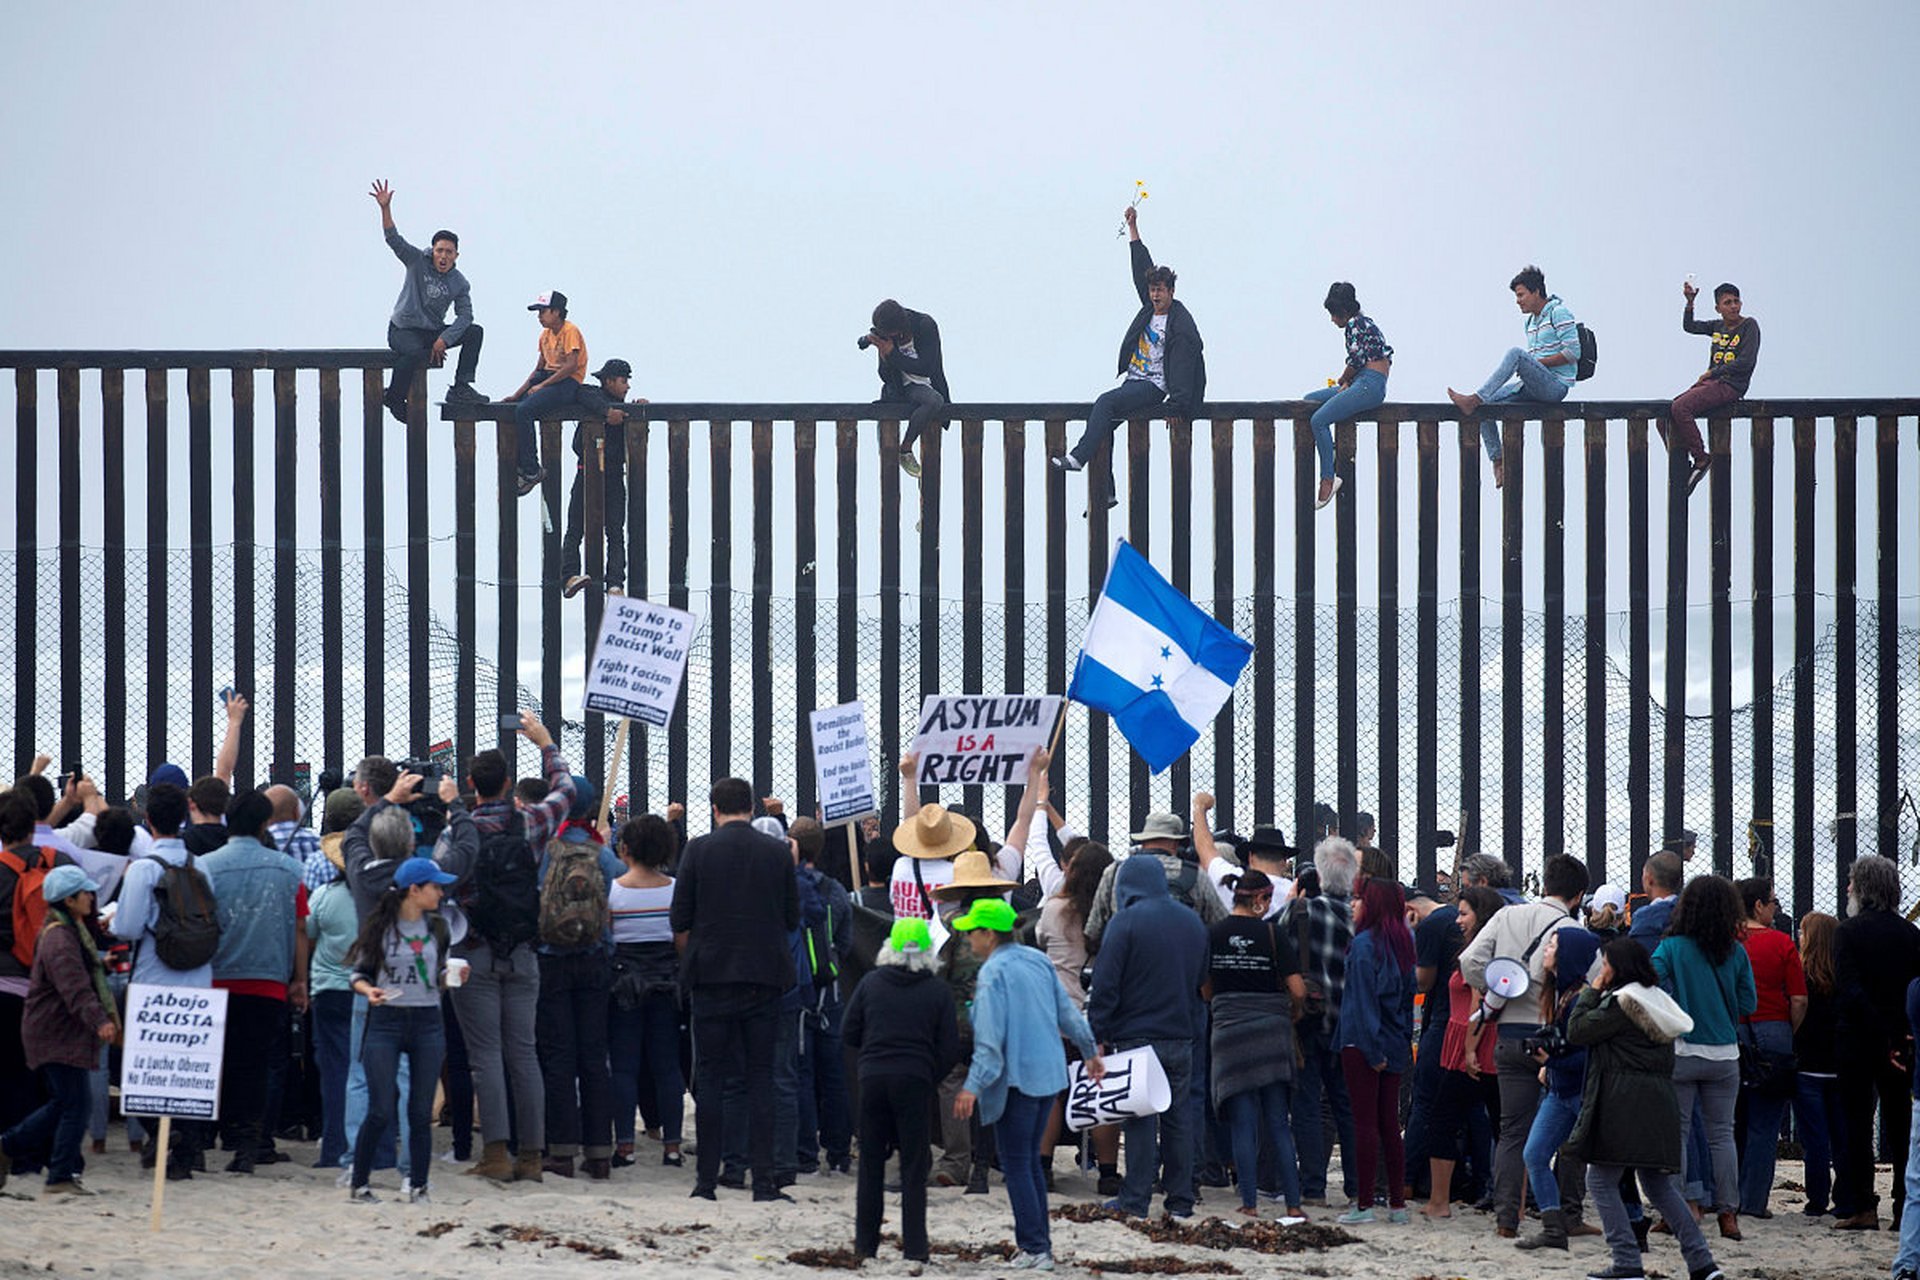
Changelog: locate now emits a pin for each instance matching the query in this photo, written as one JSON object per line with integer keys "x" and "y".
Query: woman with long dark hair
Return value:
{"x": 1362, "y": 385}
{"x": 1061, "y": 933}
{"x": 1705, "y": 969}
{"x": 1629, "y": 1117}
{"x": 1468, "y": 1077}
{"x": 1375, "y": 1036}
{"x": 1817, "y": 1114}
{"x": 1780, "y": 984}
{"x": 400, "y": 966}
{"x": 643, "y": 1031}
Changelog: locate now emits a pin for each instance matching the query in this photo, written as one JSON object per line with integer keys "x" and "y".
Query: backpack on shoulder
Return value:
{"x": 573, "y": 897}
{"x": 504, "y": 906}
{"x": 186, "y": 927}
{"x": 1589, "y": 354}
{"x": 29, "y": 903}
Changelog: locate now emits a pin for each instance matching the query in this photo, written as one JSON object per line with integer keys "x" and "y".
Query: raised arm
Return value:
{"x": 229, "y": 756}
{"x": 909, "y": 785}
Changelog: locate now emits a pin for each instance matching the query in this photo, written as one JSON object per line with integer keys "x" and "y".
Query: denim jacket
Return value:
{"x": 1020, "y": 1014}
{"x": 257, "y": 907}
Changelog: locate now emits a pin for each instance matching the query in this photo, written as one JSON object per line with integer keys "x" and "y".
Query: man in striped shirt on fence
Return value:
{"x": 1543, "y": 372}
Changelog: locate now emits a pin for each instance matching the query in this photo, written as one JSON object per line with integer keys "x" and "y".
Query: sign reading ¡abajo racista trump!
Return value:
{"x": 982, "y": 739}
{"x": 639, "y": 660}
{"x": 171, "y": 1063}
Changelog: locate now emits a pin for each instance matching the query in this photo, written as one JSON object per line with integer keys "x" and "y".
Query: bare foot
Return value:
{"x": 1245, "y": 1212}
{"x": 1441, "y": 1212}
{"x": 1499, "y": 473}
{"x": 1464, "y": 403}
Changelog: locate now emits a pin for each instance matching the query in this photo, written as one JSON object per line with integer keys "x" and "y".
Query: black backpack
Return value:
{"x": 1589, "y": 352}
{"x": 186, "y": 928}
{"x": 505, "y": 906}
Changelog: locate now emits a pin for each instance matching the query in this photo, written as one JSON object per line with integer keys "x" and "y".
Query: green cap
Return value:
{"x": 988, "y": 913}
{"x": 910, "y": 934}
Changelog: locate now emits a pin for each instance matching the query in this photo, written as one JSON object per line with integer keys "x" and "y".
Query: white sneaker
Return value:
{"x": 418, "y": 1195}
{"x": 362, "y": 1195}
{"x": 345, "y": 1179}
{"x": 1067, "y": 462}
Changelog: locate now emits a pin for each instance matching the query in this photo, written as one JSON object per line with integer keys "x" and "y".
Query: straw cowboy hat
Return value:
{"x": 972, "y": 874}
{"x": 933, "y": 833}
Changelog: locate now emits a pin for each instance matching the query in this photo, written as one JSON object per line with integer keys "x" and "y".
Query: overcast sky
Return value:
{"x": 724, "y": 191}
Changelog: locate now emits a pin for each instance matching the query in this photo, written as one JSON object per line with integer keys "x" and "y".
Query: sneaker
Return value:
{"x": 528, "y": 481}
{"x": 1617, "y": 1272}
{"x": 1700, "y": 470}
{"x": 1031, "y": 1262}
{"x": 1067, "y": 462}
{"x": 909, "y": 464}
{"x": 1116, "y": 1207}
{"x": 396, "y": 405}
{"x": 1182, "y": 1214}
{"x": 362, "y": 1195}
{"x": 1712, "y": 1272}
{"x": 1400, "y": 1217}
{"x": 574, "y": 585}
{"x": 672, "y": 1159}
{"x": 1329, "y": 490}
{"x": 1357, "y": 1218}
{"x": 418, "y": 1195}
{"x": 345, "y": 1179}
{"x": 463, "y": 393}
{"x": 1108, "y": 1185}
{"x": 615, "y": 588}
{"x": 68, "y": 1187}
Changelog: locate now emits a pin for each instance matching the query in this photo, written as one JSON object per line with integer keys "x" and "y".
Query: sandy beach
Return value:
{"x": 290, "y": 1220}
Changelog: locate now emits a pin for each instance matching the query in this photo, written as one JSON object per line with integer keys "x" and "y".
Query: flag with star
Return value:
{"x": 1155, "y": 661}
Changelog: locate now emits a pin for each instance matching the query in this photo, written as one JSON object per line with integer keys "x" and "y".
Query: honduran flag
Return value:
{"x": 1155, "y": 661}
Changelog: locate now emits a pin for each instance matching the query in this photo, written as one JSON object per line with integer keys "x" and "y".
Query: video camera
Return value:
{"x": 428, "y": 770}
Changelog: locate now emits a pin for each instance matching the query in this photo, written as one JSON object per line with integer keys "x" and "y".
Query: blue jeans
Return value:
{"x": 1908, "y": 1255}
{"x": 645, "y": 1042}
{"x": 557, "y": 398}
{"x": 1135, "y": 395}
{"x": 1146, "y": 1137}
{"x": 1018, "y": 1133}
{"x": 101, "y": 1084}
{"x": 52, "y": 1133}
{"x": 1552, "y": 1122}
{"x": 385, "y": 1156}
{"x": 420, "y": 1034}
{"x": 1367, "y": 391}
{"x": 825, "y": 1114}
{"x": 332, "y": 1042}
{"x": 1536, "y": 383}
{"x": 1250, "y": 1116}
{"x": 1321, "y": 1077}
{"x": 1763, "y": 1123}
{"x": 1821, "y": 1123}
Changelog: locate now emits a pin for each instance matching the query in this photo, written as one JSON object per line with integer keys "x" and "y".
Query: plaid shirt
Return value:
{"x": 542, "y": 819}
{"x": 301, "y": 844}
{"x": 1329, "y": 933}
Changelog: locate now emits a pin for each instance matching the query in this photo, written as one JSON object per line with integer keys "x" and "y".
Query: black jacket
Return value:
{"x": 1875, "y": 955}
{"x": 903, "y": 1023}
{"x": 1628, "y": 1112}
{"x": 738, "y": 902}
{"x": 1186, "y": 361}
{"x": 925, "y": 362}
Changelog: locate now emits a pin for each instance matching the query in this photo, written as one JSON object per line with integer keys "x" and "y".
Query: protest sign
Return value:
{"x": 981, "y": 740}
{"x": 842, "y": 764}
{"x": 1135, "y": 1084}
{"x": 639, "y": 660}
{"x": 171, "y": 1063}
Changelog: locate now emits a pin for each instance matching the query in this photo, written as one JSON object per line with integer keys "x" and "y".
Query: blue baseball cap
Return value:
{"x": 64, "y": 881}
{"x": 420, "y": 871}
{"x": 171, "y": 775}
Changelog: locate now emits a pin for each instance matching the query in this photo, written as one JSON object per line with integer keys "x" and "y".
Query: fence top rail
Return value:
{"x": 1214, "y": 411}
{"x": 341, "y": 358}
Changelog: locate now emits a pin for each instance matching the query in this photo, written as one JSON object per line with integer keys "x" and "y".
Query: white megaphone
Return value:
{"x": 1507, "y": 979}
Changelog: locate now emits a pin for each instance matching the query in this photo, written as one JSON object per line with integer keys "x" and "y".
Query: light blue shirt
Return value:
{"x": 139, "y": 911}
{"x": 1554, "y": 333}
{"x": 1020, "y": 1014}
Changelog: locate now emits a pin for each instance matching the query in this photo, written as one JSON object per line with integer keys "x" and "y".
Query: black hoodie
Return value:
{"x": 903, "y": 1023}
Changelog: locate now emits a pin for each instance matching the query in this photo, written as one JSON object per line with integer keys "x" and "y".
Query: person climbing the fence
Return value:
{"x": 1362, "y": 384}
{"x": 1162, "y": 361}
{"x": 418, "y": 332}
{"x": 608, "y": 402}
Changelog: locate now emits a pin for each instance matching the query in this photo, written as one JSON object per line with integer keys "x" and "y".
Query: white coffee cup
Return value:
{"x": 457, "y": 971}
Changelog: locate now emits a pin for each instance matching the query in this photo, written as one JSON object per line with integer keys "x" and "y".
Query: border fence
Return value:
{"x": 1529, "y": 728}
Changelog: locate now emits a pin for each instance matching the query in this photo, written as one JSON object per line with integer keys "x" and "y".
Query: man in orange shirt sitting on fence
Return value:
{"x": 552, "y": 387}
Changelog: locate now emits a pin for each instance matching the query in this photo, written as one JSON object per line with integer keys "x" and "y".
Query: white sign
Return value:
{"x": 1135, "y": 1084}
{"x": 171, "y": 1064}
{"x": 842, "y": 764}
{"x": 981, "y": 740}
{"x": 639, "y": 660}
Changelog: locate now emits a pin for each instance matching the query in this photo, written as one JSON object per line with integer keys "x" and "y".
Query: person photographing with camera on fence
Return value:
{"x": 911, "y": 371}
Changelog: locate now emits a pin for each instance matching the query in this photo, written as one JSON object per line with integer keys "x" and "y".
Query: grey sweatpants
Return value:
{"x": 496, "y": 1011}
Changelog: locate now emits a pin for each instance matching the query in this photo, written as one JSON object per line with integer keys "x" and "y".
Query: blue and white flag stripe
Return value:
{"x": 1155, "y": 661}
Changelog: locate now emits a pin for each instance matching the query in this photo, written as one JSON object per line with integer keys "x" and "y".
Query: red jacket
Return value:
{"x": 63, "y": 1014}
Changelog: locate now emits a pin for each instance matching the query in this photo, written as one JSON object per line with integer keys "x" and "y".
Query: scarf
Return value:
{"x": 96, "y": 968}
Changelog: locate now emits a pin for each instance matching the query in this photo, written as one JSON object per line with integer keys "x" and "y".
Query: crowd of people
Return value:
{"x": 544, "y": 973}
{"x": 1162, "y": 368}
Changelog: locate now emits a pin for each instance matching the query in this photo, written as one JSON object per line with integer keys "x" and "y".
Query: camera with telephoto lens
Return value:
{"x": 1551, "y": 1041}
{"x": 428, "y": 770}
{"x": 865, "y": 340}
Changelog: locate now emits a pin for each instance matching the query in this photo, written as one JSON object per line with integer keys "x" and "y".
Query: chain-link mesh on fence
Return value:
{"x": 303, "y": 702}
